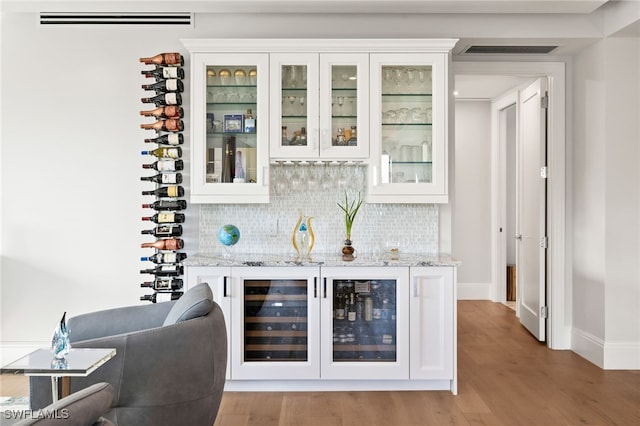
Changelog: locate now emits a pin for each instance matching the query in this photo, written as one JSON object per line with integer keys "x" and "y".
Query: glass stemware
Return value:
{"x": 303, "y": 110}
{"x": 292, "y": 100}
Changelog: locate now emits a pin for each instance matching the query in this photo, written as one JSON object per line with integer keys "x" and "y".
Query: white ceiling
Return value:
{"x": 307, "y": 6}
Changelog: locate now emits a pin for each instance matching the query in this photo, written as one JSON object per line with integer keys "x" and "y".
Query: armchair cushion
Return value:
{"x": 82, "y": 408}
{"x": 197, "y": 302}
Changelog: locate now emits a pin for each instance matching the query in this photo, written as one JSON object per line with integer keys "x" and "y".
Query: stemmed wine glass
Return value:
{"x": 293, "y": 76}
{"x": 340, "y": 103}
{"x": 303, "y": 111}
{"x": 292, "y": 100}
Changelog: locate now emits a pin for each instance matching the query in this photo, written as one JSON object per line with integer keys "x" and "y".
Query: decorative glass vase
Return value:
{"x": 60, "y": 344}
{"x": 303, "y": 238}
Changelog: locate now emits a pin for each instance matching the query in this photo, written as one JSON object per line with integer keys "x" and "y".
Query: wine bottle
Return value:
{"x": 166, "y": 217}
{"x": 169, "y": 111}
{"x": 171, "y": 98}
{"x": 351, "y": 311}
{"x": 164, "y": 284}
{"x": 166, "y": 178}
{"x": 164, "y": 231}
{"x": 164, "y": 270}
{"x": 169, "y": 125}
{"x": 165, "y": 165}
{"x": 166, "y": 205}
{"x": 164, "y": 152}
{"x": 165, "y": 244}
{"x": 164, "y": 86}
{"x": 164, "y": 72}
{"x": 162, "y": 297}
{"x": 172, "y": 58}
{"x": 172, "y": 191}
{"x": 165, "y": 257}
{"x": 170, "y": 139}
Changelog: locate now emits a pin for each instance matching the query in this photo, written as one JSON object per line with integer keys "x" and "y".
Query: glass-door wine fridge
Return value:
{"x": 365, "y": 322}
{"x": 275, "y": 325}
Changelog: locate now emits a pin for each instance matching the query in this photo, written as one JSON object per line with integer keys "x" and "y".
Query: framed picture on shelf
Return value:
{"x": 233, "y": 123}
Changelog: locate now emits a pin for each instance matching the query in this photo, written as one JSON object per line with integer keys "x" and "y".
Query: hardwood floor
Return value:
{"x": 505, "y": 378}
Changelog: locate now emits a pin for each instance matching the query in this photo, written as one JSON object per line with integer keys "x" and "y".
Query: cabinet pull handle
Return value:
{"x": 224, "y": 287}
{"x": 415, "y": 286}
{"x": 265, "y": 176}
{"x": 325, "y": 287}
{"x": 375, "y": 176}
{"x": 315, "y": 287}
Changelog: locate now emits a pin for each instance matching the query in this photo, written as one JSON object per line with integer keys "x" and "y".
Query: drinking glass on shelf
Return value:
{"x": 293, "y": 75}
{"x": 303, "y": 110}
{"x": 292, "y": 100}
{"x": 340, "y": 100}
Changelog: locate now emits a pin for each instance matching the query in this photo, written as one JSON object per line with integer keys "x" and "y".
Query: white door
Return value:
{"x": 531, "y": 205}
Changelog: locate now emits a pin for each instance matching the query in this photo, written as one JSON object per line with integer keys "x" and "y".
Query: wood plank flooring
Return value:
{"x": 506, "y": 378}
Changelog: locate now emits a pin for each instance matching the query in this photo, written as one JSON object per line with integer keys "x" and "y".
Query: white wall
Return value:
{"x": 472, "y": 199}
{"x": 606, "y": 208}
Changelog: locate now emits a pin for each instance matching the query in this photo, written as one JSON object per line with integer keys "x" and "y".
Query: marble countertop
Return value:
{"x": 385, "y": 259}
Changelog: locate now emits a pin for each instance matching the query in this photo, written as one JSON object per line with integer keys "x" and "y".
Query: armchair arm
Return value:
{"x": 116, "y": 321}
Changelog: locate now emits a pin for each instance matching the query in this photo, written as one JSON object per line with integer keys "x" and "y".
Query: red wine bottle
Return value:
{"x": 169, "y": 125}
{"x": 165, "y": 257}
{"x": 165, "y": 244}
{"x": 171, "y": 191}
{"x": 165, "y": 165}
{"x": 164, "y": 72}
{"x": 166, "y": 205}
{"x": 172, "y": 58}
{"x": 164, "y": 284}
{"x": 162, "y": 297}
{"x": 169, "y": 139}
{"x": 164, "y": 152}
{"x": 169, "y": 111}
{"x": 166, "y": 217}
{"x": 164, "y": 231}
{"x": 171, "y": 98}
{"x": 165, "y": 178}
{"x": 164, "y": 86}
{"x": 164, "y": 270}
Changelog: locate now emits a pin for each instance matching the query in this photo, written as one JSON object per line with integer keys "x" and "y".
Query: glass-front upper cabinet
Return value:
{"x": 320, "y": 104}
{"x": 230, "y": 158}
{"x": 409, "y": 128}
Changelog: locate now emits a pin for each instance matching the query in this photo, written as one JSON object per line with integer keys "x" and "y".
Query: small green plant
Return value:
{"x": 350, "y": 210}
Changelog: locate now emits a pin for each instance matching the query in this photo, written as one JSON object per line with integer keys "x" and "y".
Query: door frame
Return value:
{"x": 558, "y": 272}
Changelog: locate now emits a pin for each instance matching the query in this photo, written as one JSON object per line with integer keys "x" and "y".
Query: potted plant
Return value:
{"x": 350, "y": 210}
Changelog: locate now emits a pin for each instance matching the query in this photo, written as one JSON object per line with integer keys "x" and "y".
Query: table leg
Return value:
{"x": 54, "y": 388}
{"x": 60, "y": 387}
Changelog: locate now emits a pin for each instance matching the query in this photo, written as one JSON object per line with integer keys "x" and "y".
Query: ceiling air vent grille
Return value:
{"x": 509, "y": 49}
{"x": 115, "y": 18}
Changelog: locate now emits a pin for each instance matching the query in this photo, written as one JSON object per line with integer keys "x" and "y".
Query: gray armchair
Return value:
{"x": 170, "y": 361}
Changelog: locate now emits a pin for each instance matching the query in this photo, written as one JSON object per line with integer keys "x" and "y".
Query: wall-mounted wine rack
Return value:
{"x": 167, "y": 268}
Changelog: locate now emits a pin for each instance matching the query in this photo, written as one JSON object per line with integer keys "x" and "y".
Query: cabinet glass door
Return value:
{"x": 294, "y": 105}
{"x": 275, "y": 320}
{"x": 365, "y": 311}
{"x": 409, "y": 125}
{"x": 364, "y": 321}
{"x": 275, "y": 325}
{"x": 229, "y": 146}
{"x": 344, "y": 105}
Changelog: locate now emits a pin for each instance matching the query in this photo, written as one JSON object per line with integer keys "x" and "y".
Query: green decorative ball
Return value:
{"x": 228, "y": 235}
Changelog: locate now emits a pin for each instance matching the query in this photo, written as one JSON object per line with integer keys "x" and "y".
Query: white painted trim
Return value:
{"x": 559, "y": 281}
{"x": 474, "y": 291}
{"x": 622, "y": 356}
{"x": 588, "y": 346}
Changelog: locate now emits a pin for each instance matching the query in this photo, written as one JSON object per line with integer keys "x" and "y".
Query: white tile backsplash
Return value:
{"x": 315, "y": 191}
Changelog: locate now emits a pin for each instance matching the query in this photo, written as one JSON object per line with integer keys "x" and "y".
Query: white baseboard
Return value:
{"x": 11, "y": 351}
{"x": 622, "y": 356}
{"x": 606, "y": 355}
{"x": 474, "y": 291}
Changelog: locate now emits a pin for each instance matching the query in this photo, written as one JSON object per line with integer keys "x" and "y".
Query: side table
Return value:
{"x": 79, "y": 363}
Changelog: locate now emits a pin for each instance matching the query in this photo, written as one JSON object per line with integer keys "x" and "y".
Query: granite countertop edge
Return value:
{"x": 267, "y": 260}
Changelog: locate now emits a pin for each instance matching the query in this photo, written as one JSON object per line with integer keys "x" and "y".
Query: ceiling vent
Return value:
{"x": 508, "y": 49}
{"x": 115, "y": 18}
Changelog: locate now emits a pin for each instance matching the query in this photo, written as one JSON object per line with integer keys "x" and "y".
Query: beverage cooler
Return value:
{"x": 295, "y": 324}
